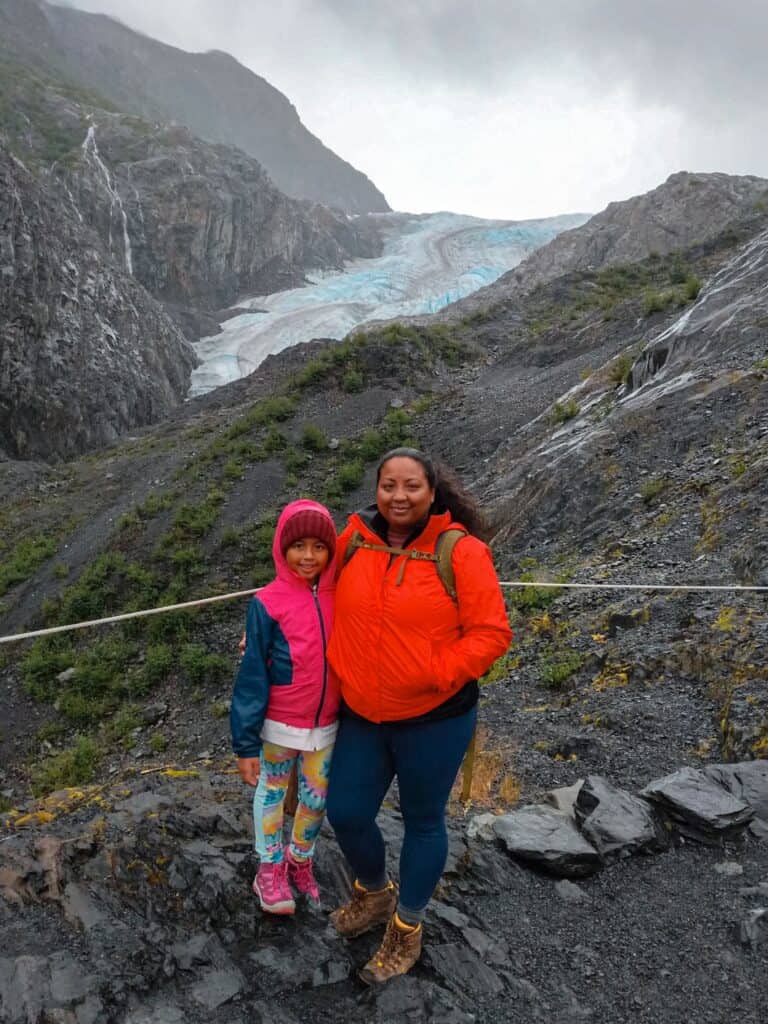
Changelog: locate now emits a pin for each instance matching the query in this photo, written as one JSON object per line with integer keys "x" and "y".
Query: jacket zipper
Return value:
{"x": 325, "y": 659}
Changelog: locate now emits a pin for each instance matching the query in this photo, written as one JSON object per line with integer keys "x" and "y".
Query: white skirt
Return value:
{"x": 296, "y": 738}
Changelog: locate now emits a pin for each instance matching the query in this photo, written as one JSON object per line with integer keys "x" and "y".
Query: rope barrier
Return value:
{"x": 521, "y": 584}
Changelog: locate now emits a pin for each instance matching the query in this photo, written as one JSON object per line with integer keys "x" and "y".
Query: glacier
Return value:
{"x": 427, "y": 262}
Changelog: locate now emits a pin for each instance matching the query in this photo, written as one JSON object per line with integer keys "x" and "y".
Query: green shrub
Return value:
{"x": 275, "y": 441}
{"x": 46, "y": 658}
{"x": 562, "y": 411}
{"x": 621, "y": 369}
{"x": 657, "y": 302}
{"x": 350, "y": 475}
{"x": 158, "y": 663}
{"x": 233, "y": 468}
{"x": 24, "y": 559}
{"x": 200, "y": 666}
{"x": 124, "y": 722}
{"x": 157, "y": 742}
{"x": 352, "y": 382}
{"x": 555, "y": 670}
{"x": 230, "y": 537}
{"x": 531, "y": 598}
{"x": 691, "y": 288}
{"x": 76, "y": 766}
{"x": 313, "y": 438}
{"x": 652, "y": 488}
{"x": 371, "y": 445}
{"x": 294, "y": 460}
{"x": 51, "y": 732}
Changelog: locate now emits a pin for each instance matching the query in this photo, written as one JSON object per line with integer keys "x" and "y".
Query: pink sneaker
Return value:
{"x": 271, "y": 886}
{"x": 301, "y": 876}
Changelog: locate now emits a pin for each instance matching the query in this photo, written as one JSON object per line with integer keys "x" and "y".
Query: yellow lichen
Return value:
{"x": 35, "y": 818}
{"x": 611, "y": 677}
{"x": 181, "y": 773}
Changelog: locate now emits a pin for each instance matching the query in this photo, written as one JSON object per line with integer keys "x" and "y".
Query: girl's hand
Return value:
{"x": 249, "y": 768}
{"x": 241, "y": 645}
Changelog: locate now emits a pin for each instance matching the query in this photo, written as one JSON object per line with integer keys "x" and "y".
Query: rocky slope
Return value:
{"x": 210, "y": 93}
{"x": 613, "y": 422}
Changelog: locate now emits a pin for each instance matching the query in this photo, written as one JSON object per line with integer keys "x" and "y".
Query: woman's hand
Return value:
{"x": 249, "y": 768}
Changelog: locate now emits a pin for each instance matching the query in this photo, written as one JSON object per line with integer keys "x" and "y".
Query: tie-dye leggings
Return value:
{"x": 313, "y": 768}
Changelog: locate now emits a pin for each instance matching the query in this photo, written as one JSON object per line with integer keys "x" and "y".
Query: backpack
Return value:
{"x": 446, "y": 542}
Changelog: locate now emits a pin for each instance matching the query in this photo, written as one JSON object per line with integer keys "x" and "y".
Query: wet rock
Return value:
{"x": 151, "y": 714}
{"x": 36, "y": 988}
{"x": 217, "y": 988}
{"x": 462, "y": 970}
{"x": 141, "y": 804}
{"x": 569, "y": 892}
{"x": 564, "y": 797}
{"x": 407, "y": 999}
{"x": 748, "y": 781}
{"x": 80, "y": 908}
{"x": 549, "y": 839}
{"x": 698, "y": 807}
{"x": 753, "y": 930}
{"x": 161, "y": 1013}
{"x": 577, "y": 746}
{"x": 617, "y": 823}
{"x": 481, "y": 826}
{"x": 729, "y": 868}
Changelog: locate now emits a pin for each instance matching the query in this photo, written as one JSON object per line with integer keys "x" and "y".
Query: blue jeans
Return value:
{"x": 425, "y": 757}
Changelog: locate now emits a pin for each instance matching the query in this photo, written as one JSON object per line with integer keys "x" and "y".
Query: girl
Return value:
{"x": 285, "y": 702}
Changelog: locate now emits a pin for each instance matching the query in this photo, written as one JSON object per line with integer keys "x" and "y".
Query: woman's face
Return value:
{"x": 403, "y": 493}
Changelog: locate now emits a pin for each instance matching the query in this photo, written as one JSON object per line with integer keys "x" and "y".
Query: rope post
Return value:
{"x": 468, "y": 769}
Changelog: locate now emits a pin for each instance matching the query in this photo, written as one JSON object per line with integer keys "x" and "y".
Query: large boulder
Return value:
{"x": 547, "y": 838}
{"x": 698, "y": 807}
{"x": 617, "y": 823}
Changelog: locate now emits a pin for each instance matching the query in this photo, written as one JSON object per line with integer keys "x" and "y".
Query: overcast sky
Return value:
{"x": 501, "y": 108}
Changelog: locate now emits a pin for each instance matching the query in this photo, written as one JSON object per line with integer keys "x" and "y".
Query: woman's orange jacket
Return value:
{"x": 402, "y": 649}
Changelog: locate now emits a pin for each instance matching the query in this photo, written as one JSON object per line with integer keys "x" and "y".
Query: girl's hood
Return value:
{"x": 328, "y": 574}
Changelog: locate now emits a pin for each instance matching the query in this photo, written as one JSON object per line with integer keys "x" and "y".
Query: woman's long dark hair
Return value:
{"x": 450, "y": 494}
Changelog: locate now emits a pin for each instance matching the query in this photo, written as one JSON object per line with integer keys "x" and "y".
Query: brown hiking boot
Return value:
{"x": 364, "y": 910}
{"x": 398, "y": 952}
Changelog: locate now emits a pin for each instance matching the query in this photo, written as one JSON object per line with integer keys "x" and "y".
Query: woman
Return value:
{"x": 408, "y": 656}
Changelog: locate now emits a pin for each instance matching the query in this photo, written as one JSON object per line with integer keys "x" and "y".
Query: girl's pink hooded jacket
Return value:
{"x": 284, "y": 674}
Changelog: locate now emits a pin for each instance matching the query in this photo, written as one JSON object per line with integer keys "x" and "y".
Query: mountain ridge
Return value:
{"x": 216, "y": 97}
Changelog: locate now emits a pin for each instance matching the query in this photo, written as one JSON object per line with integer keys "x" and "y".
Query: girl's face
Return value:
{"x": 307, "y": 557}
{"x": 403, "y": 493}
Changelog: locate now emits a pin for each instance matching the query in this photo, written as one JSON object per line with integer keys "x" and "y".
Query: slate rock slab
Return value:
{"x": 549, "y": 839}
{"x": 753, "y": 930}
{"x": 407, "y": 999}
{"x": 617, "y": 823}
{"x": 462, "y": 970}
{"x": 699, "y": 808}
{"x": 748, "y": 781}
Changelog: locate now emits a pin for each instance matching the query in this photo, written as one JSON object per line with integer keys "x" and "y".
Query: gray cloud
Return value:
{"x": 687, "y": 76}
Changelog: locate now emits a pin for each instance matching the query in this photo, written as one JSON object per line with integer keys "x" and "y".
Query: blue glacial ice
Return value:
{"x": 428, "y": 261}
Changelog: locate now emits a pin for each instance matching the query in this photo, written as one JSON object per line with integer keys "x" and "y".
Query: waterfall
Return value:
{"x": 91, "y": 151}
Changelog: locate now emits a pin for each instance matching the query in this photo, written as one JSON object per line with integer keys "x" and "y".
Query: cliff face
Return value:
{"x": 201, "y": 224}
{"x": 210, "y": 93}
{"x": 85, "y": 352}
